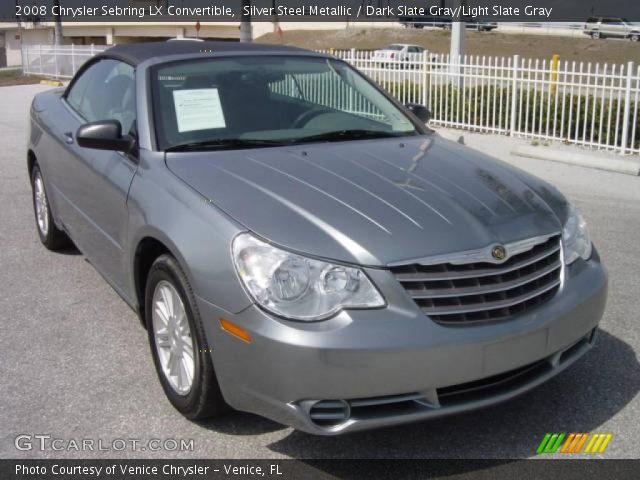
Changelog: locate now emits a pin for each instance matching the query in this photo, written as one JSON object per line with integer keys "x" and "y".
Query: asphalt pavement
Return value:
{"x": 75, "y": 363}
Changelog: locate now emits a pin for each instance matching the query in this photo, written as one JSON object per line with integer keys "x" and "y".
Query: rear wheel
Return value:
{"x": 51, "y": 236}
{"x": 595, "y": 35}
{"x": 634, "y": 37}
{"x": 178, "y": 344}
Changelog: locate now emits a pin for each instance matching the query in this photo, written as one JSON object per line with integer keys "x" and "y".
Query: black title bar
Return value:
{"x": 535, "y": 11}
{"x": 119, "y": 469}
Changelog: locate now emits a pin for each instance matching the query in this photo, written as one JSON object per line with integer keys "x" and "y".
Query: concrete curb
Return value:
{"x": 628, "y": 166}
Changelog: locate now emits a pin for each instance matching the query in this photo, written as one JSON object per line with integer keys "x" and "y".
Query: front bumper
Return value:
{"x": 390, "y": 366}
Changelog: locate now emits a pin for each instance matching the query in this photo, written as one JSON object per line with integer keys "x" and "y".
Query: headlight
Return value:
{"x": 576, "y": 242}
{"x": 297, "y": 287}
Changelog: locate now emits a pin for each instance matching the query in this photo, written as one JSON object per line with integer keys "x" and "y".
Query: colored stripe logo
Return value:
{"x": 574, "y": 443}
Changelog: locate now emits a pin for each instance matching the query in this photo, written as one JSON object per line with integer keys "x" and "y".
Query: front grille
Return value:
{"x": 482, "y": 291}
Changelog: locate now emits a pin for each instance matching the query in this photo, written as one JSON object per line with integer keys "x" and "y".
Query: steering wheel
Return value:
{"x": 306, "y": 116}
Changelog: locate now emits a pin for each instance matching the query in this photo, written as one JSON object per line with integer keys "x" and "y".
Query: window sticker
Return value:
{"x": 198, "y": 109}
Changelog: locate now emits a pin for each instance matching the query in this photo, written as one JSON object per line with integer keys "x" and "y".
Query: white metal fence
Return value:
{"x": 582, "y": 103}
{"x": 60, "y": 62}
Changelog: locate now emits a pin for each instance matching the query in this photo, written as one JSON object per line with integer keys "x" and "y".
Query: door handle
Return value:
{"x": 68, "y": 138}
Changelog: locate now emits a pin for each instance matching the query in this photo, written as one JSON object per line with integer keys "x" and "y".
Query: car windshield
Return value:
{"x": 257, "y": 101}
{"x": 394, "y": 47}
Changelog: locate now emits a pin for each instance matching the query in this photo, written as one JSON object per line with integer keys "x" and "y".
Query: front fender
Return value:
{"x": 197, "y": 233}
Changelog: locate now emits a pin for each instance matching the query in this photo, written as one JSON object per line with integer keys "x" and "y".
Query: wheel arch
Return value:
{"x": 31, "y": 162}
{"x": 148, "y": 249}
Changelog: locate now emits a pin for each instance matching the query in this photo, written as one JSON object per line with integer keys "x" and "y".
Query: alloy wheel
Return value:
{"x": 41, "y": 203}
{"x": 173, "y": 338}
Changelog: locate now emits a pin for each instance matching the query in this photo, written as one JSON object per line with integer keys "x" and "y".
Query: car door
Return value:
{"x": 611, "y": 27}
{"x": 614, "y": 27}
{"x": 94, "y": 184}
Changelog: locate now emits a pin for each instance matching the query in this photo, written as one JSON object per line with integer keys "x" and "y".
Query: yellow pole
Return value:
{"x": 555, "y": 61}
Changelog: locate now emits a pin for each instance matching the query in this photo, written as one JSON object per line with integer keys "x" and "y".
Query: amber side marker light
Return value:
{"x": 235, "y": 330}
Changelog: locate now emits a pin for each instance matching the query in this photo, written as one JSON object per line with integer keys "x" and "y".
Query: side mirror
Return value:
{"x": 420, "y": 111}
{"x": 105, "y": 135}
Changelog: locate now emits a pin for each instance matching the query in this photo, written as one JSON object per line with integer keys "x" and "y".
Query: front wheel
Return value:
{"x": 51, "y": 236}
{"x": 634, "y": 37}
{"x": 178, "y": 344}
{"x": 595, "y": 35}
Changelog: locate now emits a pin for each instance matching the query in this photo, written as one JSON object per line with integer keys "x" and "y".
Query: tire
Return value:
{"x": 595, "y": 35}
{"x": 634, "y": 37}
{"x": 50, "y": 235}
{"x": 202, "y": 398}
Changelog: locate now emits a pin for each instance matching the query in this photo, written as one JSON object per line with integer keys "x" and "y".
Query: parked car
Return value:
{"x": 446, "y": 22}
{"x": 603, "y": 27}
{"x": 398, "y": 53}
{"x": 423, "y": 21}
{"x": 472, "y": 24}
{"x": 300, "y": 245}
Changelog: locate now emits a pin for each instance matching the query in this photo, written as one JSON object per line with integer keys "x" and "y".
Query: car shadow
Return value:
{"x": 241, "y": 423}
{"x": 70, "y": 249}
{"x": 580, "y": 399}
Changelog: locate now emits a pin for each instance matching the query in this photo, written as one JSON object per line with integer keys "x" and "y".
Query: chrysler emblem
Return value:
{"x": 498, "y": 252}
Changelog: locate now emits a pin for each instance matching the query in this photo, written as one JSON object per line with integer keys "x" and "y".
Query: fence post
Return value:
{"x": 514, "y": 97}
{"x": 55, "y": 59}
{"x": 73, "y": 60}
{"x": 555, "y": 62}
{"x": 351, "y": 100}
{"x": 627, "y": 109}
{"x": 40, "y": 58}
{"x": 423, "y": 71}
{"x": 25, "y": 60}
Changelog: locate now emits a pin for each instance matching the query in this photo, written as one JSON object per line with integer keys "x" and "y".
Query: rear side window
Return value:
{"x": 105, "y": 91}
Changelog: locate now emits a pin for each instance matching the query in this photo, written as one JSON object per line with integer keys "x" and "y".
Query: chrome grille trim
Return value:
{"x": 482, "y": 291}
{"x": 457, "y": 292}
{"x": 478, "y": 255}
{"x": 455, "y": 275}
{"x": 489, "y": 305}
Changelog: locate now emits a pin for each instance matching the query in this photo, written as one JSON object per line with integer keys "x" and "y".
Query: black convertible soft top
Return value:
{"x": 136, "y": 53}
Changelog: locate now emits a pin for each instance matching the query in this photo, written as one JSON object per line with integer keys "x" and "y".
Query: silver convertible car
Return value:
{"x": 300, "y": 245}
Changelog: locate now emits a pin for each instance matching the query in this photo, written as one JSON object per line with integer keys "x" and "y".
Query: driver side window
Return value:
{"x": 106, "y": 91}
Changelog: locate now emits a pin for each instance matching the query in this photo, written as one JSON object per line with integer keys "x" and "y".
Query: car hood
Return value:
{"x": 374, "y": 202}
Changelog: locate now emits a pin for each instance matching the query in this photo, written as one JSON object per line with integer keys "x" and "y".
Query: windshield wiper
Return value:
{"x": 339, "y": 135}
{"x": 223, "y": 143}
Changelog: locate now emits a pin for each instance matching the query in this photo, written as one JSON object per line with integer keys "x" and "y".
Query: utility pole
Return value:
{"x": 57, "y": 29}
{"x": 246, "y": 33}
{"x": 457, "y": 50}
